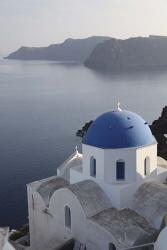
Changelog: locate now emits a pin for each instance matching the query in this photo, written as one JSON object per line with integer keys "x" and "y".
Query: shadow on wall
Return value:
{"x": 129, "y": 191}
{"x": 150, "y": 201}
{"x": 68, "y": 246}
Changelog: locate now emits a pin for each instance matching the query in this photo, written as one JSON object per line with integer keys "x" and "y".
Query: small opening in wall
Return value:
{"x": 92, "y": 167}
{"x": 120, "y": 170}
{"x": 147, "y": 166}
{"x": 67, "y": 217}
{"x": 112, "y": 246}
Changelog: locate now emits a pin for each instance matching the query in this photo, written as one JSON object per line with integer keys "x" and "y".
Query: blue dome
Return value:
{"x": 119, "y": 129}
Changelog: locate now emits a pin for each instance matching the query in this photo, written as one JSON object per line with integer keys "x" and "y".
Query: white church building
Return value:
{"x": 113, "y": 196}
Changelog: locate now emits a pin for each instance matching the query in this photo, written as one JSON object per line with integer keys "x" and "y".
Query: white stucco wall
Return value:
{"x": 4, "y": 243}
{"x": 143, "y": 152}
{"x": 59, "y": 200}
{"x": 8, "y": 246}
{"x": 106, "y": 162}
{"x": 37, "y": 219}
{"x": 120, "y": 192}
{"x": 50, "y": 226}
{"x": 161, "y": 243}
{"x": 30, "y": 213}
{"x": 76, "y": 176}
{"x": 97, "y": 237}
{"x": 110, "y": 158}
{"x": 98, "y": 154}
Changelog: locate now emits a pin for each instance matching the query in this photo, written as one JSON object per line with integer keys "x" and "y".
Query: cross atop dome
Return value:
{"x": 118, "y": 106}
{"x": 76, "y": 150}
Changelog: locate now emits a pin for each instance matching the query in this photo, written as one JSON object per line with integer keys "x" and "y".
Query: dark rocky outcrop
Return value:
{"x": 23, "y": 231}
{"x": 133, "y": 53}
{"x": 81, "y": 132}
{"x": 159, "y": 130}
{"x": 77, "y": 50}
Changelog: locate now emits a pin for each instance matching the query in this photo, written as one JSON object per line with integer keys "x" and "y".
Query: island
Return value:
{"x": 129, "y": 54}
{"x": 103, "y": 53}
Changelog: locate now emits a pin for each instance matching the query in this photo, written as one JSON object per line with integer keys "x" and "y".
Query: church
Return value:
{"x": 113, "y": 196}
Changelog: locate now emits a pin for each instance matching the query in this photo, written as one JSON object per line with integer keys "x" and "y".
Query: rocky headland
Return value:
{"x": 103, "y": 53}
{"x": 75, "y": 50}
{"x": 140, "y": 53}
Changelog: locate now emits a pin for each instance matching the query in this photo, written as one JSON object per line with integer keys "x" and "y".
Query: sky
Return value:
{"x": 43, "y": 22}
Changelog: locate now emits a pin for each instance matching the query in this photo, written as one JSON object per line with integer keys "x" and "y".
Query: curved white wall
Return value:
{"x": 59, "y": 200}
{"x": 141, "y": 153}
{"x": 50, "y": 225}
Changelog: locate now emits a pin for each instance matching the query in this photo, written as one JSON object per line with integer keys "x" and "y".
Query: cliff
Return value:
{"x": 133, "y": 53}
{"x": 77, "y": 50}
{"x": 159, "y": 130}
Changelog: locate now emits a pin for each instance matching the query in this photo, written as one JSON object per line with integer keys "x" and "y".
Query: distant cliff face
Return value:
{"x": 77, "y": 50}
{"x": 133, "y": 53}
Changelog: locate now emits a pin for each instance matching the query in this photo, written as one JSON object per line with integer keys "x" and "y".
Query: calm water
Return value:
{"x": 42, "y": 104}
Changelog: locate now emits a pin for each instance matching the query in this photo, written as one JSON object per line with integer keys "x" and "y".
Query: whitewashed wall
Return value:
{"x": 75, "y": 176}
{"x": 119, "y": 192}
{"x": 143, "y": 152}
{"x": 110, "y": 158}
{"x": 98, "y": 154}
{"x": 50, "y": 227}
{"x": 59, "y": 200}
{"x": 97, "y": 237}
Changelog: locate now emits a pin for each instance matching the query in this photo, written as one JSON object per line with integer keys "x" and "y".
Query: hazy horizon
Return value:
{"x": 43, "y": 22}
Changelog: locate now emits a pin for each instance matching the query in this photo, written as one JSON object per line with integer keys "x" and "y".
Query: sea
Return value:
{"x": 43, "y": 104}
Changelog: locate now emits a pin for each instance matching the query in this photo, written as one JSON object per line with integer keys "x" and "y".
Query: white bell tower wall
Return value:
{"x": 90, "y": 152}
{"x": 140, "y": 164}
{"x": 146, "y": 161}
{"x": 126, "y": 155}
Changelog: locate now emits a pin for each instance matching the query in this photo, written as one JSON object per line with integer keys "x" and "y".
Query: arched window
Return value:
{"x": 92, "y": 167}
{"x": 112, "y": 246}
{"x": 147, "y": 166}
{"x": 120, "y": 170}
{"x": 67, "y": 217}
